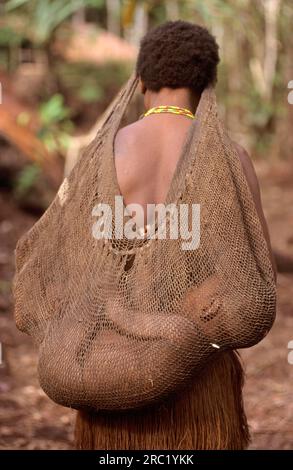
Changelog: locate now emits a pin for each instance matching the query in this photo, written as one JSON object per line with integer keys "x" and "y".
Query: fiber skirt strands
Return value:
{"x": 207, "y": 415}
{"x": 125, "y": 324}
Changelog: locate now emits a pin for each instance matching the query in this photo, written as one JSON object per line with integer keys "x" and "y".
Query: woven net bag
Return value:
{"x": 123, "y": 323}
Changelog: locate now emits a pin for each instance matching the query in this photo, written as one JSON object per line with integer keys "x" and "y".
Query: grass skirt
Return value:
{"x": 208, "y": 414}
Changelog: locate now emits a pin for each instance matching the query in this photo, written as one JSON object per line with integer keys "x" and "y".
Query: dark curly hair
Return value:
{"x": 178, "y": 54}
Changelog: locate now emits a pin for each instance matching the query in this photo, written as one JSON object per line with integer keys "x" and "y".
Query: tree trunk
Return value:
{"x": 134, "y": 33}
{"x": 113, "y": 16}
{"x": 271, "y": 14}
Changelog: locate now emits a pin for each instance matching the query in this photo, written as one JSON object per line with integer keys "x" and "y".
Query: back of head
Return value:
{"x": 178, "y": 54}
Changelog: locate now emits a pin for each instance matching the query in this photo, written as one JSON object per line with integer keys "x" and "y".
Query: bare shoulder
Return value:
{"x": 125, "y": 138}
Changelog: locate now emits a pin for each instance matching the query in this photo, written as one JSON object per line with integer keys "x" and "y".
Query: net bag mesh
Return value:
{"x": 121, "y": 324}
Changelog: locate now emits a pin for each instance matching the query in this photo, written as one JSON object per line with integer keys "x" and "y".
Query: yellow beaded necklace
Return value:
{"x": 168, "y": 109}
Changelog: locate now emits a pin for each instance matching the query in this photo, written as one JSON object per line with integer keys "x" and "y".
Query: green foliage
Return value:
{"x": 9, "y": 37}
{"x": 43, "y": 17}
{"x": 156, "y": 11}
{"x": 239, "y": 27}
{"x": 90, "y": 83}
{"x": 54, "y": 111}
{"x": 12, "y": 4}
{"x": 90, "y": 93}
{"x": 56, "y": 124}
{"x": 26, "y": 179}
{"x": 209, "y": 11}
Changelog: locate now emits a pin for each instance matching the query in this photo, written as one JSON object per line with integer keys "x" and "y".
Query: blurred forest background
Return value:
{"x": 61, "y": 64}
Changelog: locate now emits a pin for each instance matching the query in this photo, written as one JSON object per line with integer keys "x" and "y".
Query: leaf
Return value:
{"x": 27, "y": 178}
{"x": 54, "y": 110}
{"x": 12, "y": 4}
{"x": 90, "y": 93}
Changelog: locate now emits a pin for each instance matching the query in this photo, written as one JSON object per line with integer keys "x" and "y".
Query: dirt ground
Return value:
{"x": 29, "y": 420}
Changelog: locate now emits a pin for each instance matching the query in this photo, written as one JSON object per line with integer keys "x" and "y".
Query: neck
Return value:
{"x": 182, "y": 97}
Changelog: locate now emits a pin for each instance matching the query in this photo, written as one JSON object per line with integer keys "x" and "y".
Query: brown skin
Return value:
{"x": 147, "y": 152}
{"x": 157, "y": 140}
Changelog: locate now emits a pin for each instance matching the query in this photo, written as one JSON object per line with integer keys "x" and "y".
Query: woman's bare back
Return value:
{"x": 146, "y": 156}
